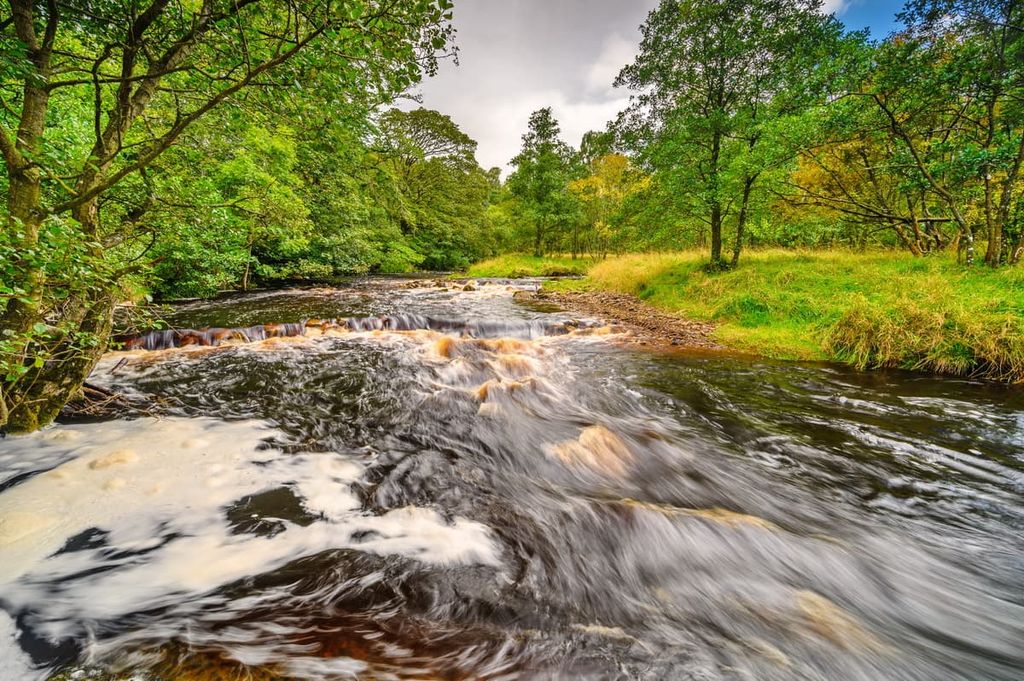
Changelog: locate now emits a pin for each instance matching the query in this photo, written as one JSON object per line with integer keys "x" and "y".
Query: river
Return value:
{"x": 510, "y": 497}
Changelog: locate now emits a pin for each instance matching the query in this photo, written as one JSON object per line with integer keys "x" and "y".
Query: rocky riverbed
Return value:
{"x": 647, "y": 325}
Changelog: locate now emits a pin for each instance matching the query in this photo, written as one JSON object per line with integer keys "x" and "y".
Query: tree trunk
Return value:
{"x": 994, "y": 229}
{"x": 538, "y": 240}
{"x": 24, "y": 218}
{"x": 741, "y": 222}
{"x": 23, "y": 191}
{"x": 1010, "y": 226}
{"x": 248, "y": 268}
{"x": 84, "y": 325}
{"x": 716, "y": 234}
{"x": 968, "y": 239}
{"x": 716, "y": 204}
{"x": 39, "y": 395}
{"x": 911, "y": 244}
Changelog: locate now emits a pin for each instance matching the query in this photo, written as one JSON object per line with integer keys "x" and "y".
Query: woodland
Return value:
{"x": 174, "y": 149}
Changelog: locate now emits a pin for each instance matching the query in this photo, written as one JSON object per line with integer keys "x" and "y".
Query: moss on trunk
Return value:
{"x": 37, "y": 397}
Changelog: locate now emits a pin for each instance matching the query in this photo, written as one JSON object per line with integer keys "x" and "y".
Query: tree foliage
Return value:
{"x": 711, "y": 78}
{"x": 95, "y": 93}
{"x": 540, "y": 182}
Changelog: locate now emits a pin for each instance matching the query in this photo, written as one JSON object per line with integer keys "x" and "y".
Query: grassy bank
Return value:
{"x": 869, "y": 310}
{"x": 514, "y": 265}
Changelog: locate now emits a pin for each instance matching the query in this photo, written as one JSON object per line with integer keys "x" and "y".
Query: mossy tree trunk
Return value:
{"x": 716, "y": 202}
{"x": 741, "y": 221}
{"x": 37, "y": 397}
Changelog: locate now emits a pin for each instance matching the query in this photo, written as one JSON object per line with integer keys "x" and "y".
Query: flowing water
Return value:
{"x": 484, "y": 491}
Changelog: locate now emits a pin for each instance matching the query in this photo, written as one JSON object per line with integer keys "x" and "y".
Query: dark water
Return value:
{"x": 421, "y": 505}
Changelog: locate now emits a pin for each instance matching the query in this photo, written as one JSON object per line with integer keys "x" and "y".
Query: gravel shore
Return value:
{"x": 649, "y": 326}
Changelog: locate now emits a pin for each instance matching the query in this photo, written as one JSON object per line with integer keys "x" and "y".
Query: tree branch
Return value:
{"x": 163, "y": 143}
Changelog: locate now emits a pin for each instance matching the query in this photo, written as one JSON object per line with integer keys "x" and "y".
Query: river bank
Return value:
{"x": 869, "y": 310}
{"x": 647, "y": 324}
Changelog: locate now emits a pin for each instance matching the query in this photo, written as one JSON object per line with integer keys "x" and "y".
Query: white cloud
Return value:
{"x": 498, "y": 123}
{"x": 519, "y": 56}
{"x": 615, "y": 53}
{"x": 836, "y": 7}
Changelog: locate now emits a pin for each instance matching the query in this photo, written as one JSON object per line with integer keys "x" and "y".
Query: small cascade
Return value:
{"x": 165, "y": 339}
{"x": 472, "y": 329}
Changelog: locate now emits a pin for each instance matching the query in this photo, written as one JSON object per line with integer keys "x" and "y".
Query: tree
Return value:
{"x": 602, "y": 194}
{"x": 861, "y": 177}
{"x": 596, "y": 144}
{"x": 147, "y": 75}
{"x": 541, "y": 178}
{"x": 445, "y": 191}
{"x": 709, "y": 76}
{"x": 950, "y": 93}
{"x": 929, "y": 143}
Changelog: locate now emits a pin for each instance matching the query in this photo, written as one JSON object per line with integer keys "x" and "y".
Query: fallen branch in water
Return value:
{"x": 96, "y": 402}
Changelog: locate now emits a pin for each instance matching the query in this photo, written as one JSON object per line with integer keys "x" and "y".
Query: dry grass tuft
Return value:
{"x": 911, "y": 335}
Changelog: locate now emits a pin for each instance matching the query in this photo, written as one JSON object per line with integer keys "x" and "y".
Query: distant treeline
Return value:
{"x": 767, "y": 123}
{"x": 268, "y": 194}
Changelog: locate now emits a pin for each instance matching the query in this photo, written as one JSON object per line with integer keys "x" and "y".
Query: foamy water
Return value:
{"x": 157, "y": 491}
{"x": 470, "y": 497}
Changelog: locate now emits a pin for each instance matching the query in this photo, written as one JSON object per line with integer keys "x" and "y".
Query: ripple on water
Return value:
{"x": 423, "y": 503}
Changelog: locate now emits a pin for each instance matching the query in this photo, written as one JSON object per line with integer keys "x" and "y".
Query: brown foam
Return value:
{"x": 495, "y": 385}
{"x": 722, "y": 516}
{"x": 516, "y": 365}
{"x": 829, "y": 621}
{"x": 597, "y": 448}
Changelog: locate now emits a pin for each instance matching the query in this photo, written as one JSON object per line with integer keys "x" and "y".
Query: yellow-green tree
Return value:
{"x": 601, "y": 194}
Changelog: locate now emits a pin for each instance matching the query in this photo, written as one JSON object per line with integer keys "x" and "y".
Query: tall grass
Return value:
{"x": 950, "y": 340}
{"x": 881, "y": 309}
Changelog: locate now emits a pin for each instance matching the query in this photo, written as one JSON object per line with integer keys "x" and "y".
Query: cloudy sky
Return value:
{"x": 516, "y": 56}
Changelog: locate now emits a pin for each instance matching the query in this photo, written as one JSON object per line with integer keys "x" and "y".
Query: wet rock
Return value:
{"x": 596, "y": 448}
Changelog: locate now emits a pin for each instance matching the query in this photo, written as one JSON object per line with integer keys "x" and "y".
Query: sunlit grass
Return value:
{"x": 876, "y": 309}
{"x": 514, "y": 265}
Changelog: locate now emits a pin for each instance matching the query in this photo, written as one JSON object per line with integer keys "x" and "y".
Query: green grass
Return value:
{"x": 880, "y": 309}
{"x": 513, "y": 265}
